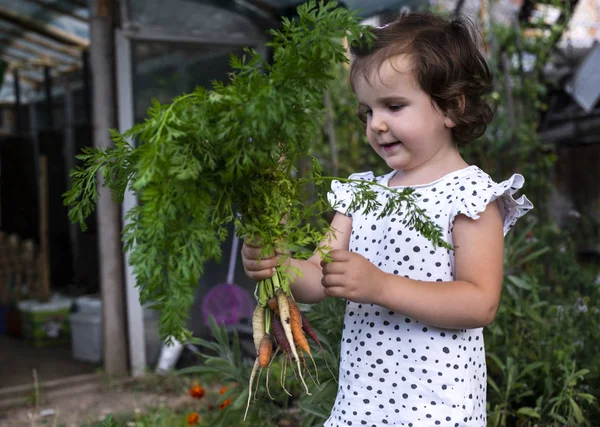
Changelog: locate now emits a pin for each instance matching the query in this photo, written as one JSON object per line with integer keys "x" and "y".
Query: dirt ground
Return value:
{"x": 82, "y": 406}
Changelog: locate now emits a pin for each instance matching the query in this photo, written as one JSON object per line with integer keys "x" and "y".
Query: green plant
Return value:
{"x": 541, "y": 339}
{"x": 109, "y": 421}
{"x": 565, "y": 408}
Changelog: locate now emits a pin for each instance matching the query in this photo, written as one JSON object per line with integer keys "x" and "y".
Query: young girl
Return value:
{"x": 412, "y": 352}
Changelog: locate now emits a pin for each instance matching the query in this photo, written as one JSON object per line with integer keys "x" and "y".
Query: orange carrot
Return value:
{"x": 296, "y": 324}
{"x": 266, "y": 348}
{"x": 298, "y": 333}
{"x": 272, "y": 303}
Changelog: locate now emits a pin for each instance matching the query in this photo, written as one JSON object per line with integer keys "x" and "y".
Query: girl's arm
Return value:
{"x": 470, "y": 301}
{"x": 307, "y": 287}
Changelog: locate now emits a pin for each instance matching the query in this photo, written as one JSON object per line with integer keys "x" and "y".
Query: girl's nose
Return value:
{"x": 377, "y": 124}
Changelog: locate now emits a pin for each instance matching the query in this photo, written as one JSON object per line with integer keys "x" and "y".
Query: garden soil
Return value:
{"x": 88, "y": 405}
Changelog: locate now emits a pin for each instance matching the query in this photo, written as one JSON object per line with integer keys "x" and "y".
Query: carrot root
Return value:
{"x": 283, "y": 376}
{"x": 252, "y": 375}
{"x": 309, "y": 330}
{"x": 269, "y": 370}
{"x": 284, "y": 311}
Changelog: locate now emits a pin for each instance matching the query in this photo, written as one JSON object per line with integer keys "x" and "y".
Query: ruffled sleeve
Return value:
{"x": 480, "y": 190}
{"x": 341, "y": 194}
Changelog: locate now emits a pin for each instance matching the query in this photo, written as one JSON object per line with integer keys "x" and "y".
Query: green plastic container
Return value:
{"x": 46, "y": 323}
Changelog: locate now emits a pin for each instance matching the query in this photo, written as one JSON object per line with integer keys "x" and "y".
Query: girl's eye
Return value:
{"x": 363, "y": 113}
{"x": 395, "y": 108}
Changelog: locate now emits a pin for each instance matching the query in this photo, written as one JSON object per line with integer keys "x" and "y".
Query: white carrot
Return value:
{"x": 258, "y": 332}
{"x": 258, "y": 326}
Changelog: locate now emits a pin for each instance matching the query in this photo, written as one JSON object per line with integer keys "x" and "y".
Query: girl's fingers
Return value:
{"x": 254, "y": 253}
{"x": 264, "y": 264}
{"x": 333, "y": 267}
{"x": 256, "y": 265}
{"x": 259, "y": 270}
{"x": 260, "y": 275}
{"x": 332, "y": 280}
{"x": 334, "y": 291}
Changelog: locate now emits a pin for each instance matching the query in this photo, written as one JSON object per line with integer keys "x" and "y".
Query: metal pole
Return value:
{"x": 108, "y": 213}
{"x": 135, "y": 311}
{"x": 18, "y": 115}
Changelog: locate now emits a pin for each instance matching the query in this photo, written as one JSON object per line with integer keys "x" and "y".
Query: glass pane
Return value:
{"x": 164, "y": 70}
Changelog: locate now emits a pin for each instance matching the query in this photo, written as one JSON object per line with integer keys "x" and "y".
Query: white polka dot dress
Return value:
{"x": 396, "y": 371}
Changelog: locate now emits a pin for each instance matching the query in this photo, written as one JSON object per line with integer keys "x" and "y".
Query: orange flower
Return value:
{"x": 223, "y": 390}
{"x": 196, "y": 391}
{"x": 225, "y": 404}
{"x": 193, "y": 418}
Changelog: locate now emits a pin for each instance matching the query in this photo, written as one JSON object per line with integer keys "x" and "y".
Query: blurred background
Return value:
{"x": 71, "y": 69}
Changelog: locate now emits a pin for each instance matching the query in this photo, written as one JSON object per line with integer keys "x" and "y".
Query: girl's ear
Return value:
{"x": 460, "y": 109}
{"x": 448, "y": 122}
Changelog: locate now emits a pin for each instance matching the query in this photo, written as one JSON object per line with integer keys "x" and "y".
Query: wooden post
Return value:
{"x": 108, "y": 213}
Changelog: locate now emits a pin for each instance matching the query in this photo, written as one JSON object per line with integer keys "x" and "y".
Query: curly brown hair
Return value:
{"x": 447, "y": 65}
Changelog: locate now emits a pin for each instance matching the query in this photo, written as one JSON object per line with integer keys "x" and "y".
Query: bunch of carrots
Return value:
{"x": 279, "y": 325}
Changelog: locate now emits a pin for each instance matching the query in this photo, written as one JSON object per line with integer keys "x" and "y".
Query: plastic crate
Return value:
{"x": 46, "y": 323}
{"x": 86, "y": 336}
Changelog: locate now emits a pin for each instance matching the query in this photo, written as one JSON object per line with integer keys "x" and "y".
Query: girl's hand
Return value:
{"x": 351, "y": 276}
{"x": 255, "y": 266}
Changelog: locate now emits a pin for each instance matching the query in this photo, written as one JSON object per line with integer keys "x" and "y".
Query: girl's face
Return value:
{"x": 403, "y": 125}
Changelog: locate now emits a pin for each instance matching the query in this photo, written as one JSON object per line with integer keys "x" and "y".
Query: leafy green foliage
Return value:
{"x": 540, "y": 340}
{"x": 229, "y": 154}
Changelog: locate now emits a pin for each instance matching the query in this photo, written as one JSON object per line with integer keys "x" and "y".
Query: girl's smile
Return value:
{"x": 392, "y": 147}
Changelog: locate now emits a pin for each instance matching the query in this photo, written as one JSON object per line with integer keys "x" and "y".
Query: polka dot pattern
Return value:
{"x": 394, "y": 370}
